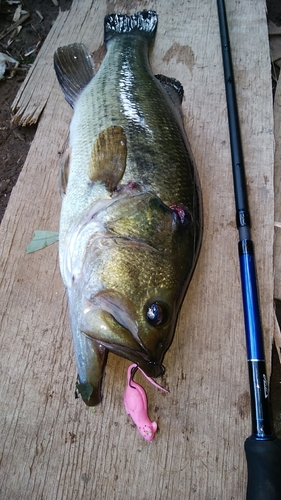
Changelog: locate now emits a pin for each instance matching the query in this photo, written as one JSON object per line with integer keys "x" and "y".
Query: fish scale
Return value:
{"x": 142, "y": 148}
{"x": 131, "y": 217}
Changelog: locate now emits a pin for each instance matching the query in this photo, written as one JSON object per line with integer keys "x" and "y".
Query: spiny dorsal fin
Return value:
{"x": 173, "y": 88}
{"x": 108, "y": 158}
{"x": 144, "y": 22}
{"x": 74, "y": 69}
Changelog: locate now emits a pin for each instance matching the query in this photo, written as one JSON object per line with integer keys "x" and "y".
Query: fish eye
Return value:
{"x": 157, "y": 313}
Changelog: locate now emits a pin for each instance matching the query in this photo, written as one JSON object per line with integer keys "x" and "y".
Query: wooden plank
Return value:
{"x": 52, "y": 446}
{"x": 277, "y": 191}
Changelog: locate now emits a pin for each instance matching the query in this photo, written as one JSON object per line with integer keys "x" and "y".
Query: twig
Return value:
{"x": 14, "y": 25}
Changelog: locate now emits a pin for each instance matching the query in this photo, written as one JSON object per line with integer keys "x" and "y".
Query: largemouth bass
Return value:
{"x": 131, "y": 217}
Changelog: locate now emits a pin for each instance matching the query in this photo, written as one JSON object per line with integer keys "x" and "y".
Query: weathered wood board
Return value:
{"x": 52, "y": 446}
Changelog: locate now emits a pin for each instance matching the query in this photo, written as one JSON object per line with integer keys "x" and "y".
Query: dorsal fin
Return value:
{"x": 173, "y": 88}
{"x": 74, "y": 69}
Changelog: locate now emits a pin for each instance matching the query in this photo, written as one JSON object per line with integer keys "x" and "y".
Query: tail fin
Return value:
{"x": 145, "y": 22}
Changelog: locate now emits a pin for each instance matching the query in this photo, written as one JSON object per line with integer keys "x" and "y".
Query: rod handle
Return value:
{"x": 264, "y": 469}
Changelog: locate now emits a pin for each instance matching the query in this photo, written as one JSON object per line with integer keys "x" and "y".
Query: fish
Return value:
{"x": 131, "y": 216}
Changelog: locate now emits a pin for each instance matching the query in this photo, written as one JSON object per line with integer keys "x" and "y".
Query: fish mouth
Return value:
{"x": 109, "y": 320}
{"x": 150, "y": 367}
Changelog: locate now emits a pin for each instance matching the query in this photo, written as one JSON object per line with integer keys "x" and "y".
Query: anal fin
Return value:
{"x": 74, "y": 69}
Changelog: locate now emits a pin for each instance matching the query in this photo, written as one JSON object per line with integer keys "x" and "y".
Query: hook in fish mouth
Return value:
{"x": 109, "y": 320}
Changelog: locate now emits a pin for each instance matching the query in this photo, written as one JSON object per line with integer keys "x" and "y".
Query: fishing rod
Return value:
{"x": 263, "y": 448}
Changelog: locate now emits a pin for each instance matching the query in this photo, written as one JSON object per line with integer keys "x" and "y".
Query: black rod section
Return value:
{"x": 263, "y": 449}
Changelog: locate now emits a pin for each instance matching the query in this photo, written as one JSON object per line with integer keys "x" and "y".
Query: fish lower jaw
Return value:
{"x": 150, "y": 367}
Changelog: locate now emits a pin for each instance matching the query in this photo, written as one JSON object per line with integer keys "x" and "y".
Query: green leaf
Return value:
{"x": 42, "y": 239}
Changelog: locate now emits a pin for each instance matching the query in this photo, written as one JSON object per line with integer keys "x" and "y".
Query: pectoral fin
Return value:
{"x": 108, "y": 158}
{"x": 64, "y": 171}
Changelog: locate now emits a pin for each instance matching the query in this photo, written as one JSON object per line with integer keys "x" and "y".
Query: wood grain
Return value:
{"x": 53, "y": 446}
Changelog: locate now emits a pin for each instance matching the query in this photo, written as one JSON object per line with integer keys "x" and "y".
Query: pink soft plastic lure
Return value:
{"x": 135, "y": 402}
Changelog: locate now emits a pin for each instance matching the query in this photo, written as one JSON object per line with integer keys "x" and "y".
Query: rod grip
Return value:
{"x": 264, "y": 469}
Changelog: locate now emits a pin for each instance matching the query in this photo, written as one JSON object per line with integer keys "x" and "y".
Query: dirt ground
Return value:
{"x": 15, "y": 141}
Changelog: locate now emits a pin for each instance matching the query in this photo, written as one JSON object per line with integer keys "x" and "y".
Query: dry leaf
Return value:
{"x": 273, "y": 29}
{"x": 31, "y": 51}
{"x": 4, "y": 58}
{"x": 14, "y": 35}
{"x": 39, "y": 15}
{"x": 17, "y": 13}
{"x": 275, "y": 47}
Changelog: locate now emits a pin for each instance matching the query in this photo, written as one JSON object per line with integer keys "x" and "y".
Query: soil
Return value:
{"x": 274, "y": 11}
{"x": 15, "y": 141}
